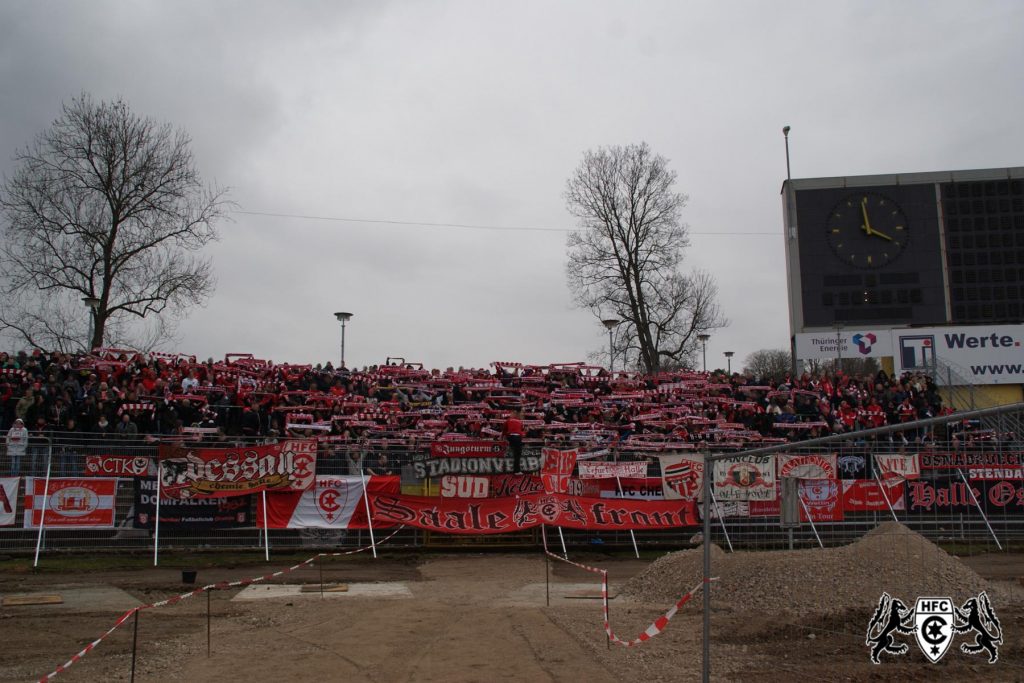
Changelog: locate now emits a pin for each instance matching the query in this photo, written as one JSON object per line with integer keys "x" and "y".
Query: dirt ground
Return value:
{"x": 471, "y": 617}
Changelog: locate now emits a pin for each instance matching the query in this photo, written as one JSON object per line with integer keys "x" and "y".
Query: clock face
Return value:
{"x": 867, "y": 230}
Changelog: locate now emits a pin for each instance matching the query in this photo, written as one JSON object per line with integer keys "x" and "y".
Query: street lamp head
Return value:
{"x": 343, "y": 317}
{"x": 730, "y": 354}
{"x": 703, "y": 337}
{"x": 611, "y": 323}
{"x": 91, "y": 301}
{"x": 785, "y": 131}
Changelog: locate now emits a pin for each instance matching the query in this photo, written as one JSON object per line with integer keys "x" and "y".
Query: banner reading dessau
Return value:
{"x": 211, "y": 472}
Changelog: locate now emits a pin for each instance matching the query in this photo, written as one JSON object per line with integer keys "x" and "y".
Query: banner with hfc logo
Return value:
{"x": 934, "y": 622}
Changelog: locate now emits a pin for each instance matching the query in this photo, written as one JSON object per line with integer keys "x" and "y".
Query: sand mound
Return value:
{"x": 890, "y": 558}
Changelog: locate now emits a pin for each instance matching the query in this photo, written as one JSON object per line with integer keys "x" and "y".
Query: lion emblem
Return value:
{"x": 979, "y": 617}
{"x": 891, "y": 616}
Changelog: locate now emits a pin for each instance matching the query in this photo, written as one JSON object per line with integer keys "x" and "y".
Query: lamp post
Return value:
{"x": 728, "y": 360}
{"x": 93, "y": 303}
{"x": 703, "y": 338}
{"x": 610, "y": 324}
{"x": 343, "y": 318}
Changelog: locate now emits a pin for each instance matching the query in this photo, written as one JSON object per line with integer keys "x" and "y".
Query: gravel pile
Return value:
{"x": 889, "y": 558}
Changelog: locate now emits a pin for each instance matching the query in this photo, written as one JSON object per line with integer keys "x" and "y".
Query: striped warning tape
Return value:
{"x": 185, "y": 596}
{"x": 656, "y": 627}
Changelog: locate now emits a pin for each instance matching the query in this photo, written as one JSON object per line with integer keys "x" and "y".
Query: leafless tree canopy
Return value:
{"x": 624, "y": 260}
{"x": 108, "y": 205}
{"x": 770, "y": 365}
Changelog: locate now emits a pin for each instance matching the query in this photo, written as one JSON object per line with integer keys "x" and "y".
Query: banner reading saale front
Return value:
{"x": 503, "y": 515}
{"x": 333, "y": 503}
{"x": 213, "y": 472}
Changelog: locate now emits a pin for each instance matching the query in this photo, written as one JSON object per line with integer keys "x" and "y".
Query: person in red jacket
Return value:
{"x": 514, "y": 433}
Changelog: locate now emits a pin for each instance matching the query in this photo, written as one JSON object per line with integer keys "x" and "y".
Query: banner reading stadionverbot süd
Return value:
{"x": 332, "y": 503}
{"x": 502, "y": 515}
{"x": 211, "y": 472}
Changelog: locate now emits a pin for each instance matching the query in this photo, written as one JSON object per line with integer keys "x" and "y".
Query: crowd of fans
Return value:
{"x": 122, "y": 396}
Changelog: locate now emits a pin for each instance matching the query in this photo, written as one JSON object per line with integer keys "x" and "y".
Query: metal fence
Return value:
{"x": 820, "y": 564}
{"x": 991, "y": 431}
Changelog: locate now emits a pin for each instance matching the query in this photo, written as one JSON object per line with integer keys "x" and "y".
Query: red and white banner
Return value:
{"x": 77, "y": 503}
{"x": 593, "y": 469}
{"x": 556, "y": 469}
{"x": 682, "y": 476}
{"x": 467, "y": 449}
{"x": 502, "y": 515}
{"x": 213, "y": 472}
{"x": 333, "y": 503}
{"x": 745, "y": 477}
{"x": 808, "y": 466}
{"x": 865, "y": 495}
{"x": 823, "y": 500}
{"x": 588, "y": 488}
{"x": 119, "y": 466}
{"x": 454, "y": 486}
{"x": 897, "y": 466}
{"x": 8, "y": 499}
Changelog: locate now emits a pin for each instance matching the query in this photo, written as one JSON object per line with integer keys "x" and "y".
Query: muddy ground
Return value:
{"x": 471, "y": 617}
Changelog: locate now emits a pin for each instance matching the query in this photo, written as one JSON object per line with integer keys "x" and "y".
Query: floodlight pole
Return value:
{"x": 728, "y": 360}
{"x": 610, "y": 324}
{"x": 343, "y": 318}
{"x": 703, "y": 338}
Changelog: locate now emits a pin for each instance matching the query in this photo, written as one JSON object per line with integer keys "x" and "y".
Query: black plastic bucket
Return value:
{"x": 188, "y": 576}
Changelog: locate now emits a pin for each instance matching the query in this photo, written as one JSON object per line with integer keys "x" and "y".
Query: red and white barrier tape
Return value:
{"x": 656, "y": 627}
{"x": 185, "y": 596}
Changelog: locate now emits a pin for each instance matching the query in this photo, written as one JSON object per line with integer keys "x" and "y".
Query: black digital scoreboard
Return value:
{"x": 912, "y": 249}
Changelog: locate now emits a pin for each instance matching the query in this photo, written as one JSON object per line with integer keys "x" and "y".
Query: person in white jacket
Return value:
{"x": 17, "y": 442}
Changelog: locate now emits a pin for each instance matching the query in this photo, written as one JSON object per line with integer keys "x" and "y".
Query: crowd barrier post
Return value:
{"x": 369, "y": 518}
{"x": 705, "y": 543}
{"x": 46, "y": 503}
{"x": 266, "y": 529}
{"x": 135, "y": 642}
{"x": 320, "y": 565}
{"x": 208, "y": 592}
{"x": 632, "y": 534}
{"x": 978, "y": 505}
{"x": 721, "y": 520}
{"x": 885, "y": 495}
{"x": 156, "y": 518}
{"x": 808, "y": 513}
{"x": 565, "y": 553}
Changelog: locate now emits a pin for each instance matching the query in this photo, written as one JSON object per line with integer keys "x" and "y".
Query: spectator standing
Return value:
{"x": 17, "y": 443}
{"x": 514, "y": 434}
{"x": 126, "y": 429}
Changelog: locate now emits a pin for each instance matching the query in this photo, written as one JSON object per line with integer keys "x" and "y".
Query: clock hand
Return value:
{"x": 880, "y": 234}
{"x": 867, "y": 221}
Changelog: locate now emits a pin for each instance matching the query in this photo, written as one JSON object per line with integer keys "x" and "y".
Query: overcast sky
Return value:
{"x": 476, "y": 113}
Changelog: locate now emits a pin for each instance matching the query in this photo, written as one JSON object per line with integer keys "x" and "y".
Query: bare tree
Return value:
{"x": 769, "y": 364}
{"x": 624, "y": 260}
{"x": 104, "y": 205}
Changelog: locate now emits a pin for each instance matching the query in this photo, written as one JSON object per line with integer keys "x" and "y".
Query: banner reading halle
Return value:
{"x": 503, "y": 515}
{"x": 592, "y": 469}
{"x": 213, "y": 472}
{"x": 745, "y": 477}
